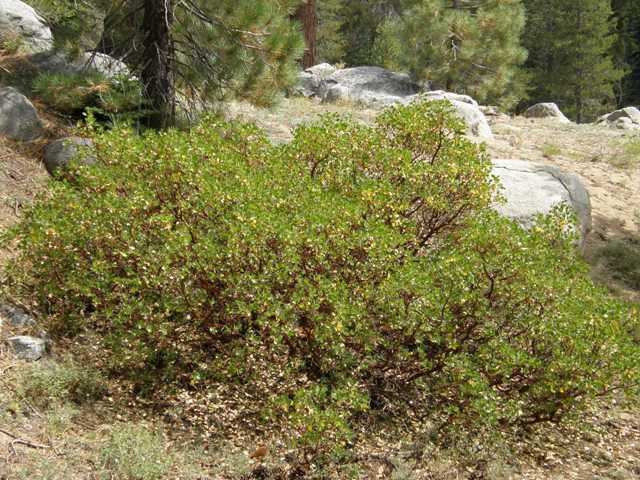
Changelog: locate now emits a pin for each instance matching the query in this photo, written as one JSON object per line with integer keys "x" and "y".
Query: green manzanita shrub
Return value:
{"x": 352, "y": 273}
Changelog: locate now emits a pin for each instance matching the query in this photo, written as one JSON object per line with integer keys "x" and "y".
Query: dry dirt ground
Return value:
{"x": 609, "y": 162}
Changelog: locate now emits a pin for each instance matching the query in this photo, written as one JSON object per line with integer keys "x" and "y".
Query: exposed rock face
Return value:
{"x": 476, "y": 122}
{"x": 371, "y": 86}
{"x": 308, "y": 85}
{"x": 441, "y": 94}
{"x": 322, "y": 70}
{"x": 28, "y": 348}
{"x": 546, "y": 110}
{"x": 626, "y": 119}
{"x": 57, "y": 62}
{"x": 17, "y": 19}
{"x": 18, "y": 117}
{"x": 531, "y": 189}
{"x": 467, "y": 109}
{"x": 376, "y": 87}
{"x": 59, "y": 153}
{"x": 15, "y": 316}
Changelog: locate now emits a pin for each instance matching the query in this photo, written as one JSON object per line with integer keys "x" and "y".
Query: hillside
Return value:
{"x": 74, "y": 442}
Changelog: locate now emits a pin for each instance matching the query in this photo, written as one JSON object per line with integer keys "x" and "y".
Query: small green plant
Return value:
{"x": 134, "y": 452}
{"x": 50, "y": 383}
{"x": 628, "y": 155}
{"x": 403, "y": 469}
{"x": 550, "y": 150}
{"x": 11, "y": 44}
{"x": 118, "y": 98}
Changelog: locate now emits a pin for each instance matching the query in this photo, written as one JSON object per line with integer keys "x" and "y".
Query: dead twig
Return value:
{"x": 21, "y": 441}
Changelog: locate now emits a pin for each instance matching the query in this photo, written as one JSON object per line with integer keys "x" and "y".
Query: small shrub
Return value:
{"x": 118, "y": 98}
{"x": 11, "y": 44}
{"x": 353, "y": 273}
{"x": 133, "y": 452}
{"x": 550, "y": 150}
{"x": 51, "y": 383}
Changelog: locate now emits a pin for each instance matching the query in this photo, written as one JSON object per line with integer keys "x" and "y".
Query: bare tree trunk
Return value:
{"x": 307, "y": 15}
{"x": 158, "y": 76}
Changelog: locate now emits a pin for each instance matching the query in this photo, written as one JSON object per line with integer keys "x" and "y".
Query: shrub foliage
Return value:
{"x": 356, "y": 271}
{"x": 108, "y": 99}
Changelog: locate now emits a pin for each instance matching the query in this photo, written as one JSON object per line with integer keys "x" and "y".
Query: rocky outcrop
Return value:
{"x": 310, "y": 81}
{"x": 19, "y": 20}
{"x": 452, "y": 97}
{"x": 18, "y": 117}
{"x": 92, "y": 62}
{"x": 371, "y": 86}
{"x": 467, "y": 109}
{"x": 15, "y": 316}
{"x": 322, "y": 70}
{"x": 59, "y": 153}
{"x": 28, "y": 348}
{"x": 546, "y": 110}
{"x": 531, "y": 189}
{"x": 375, "y": 87}
{"x": 307, "y": 86}
{"x": 625, "y": 119}
{"x": 477, "y": 124}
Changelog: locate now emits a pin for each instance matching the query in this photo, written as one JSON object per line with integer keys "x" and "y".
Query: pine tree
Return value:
{"x": 466, "y": 46}
{"x": 627, "y": 50}
{"x": 307, "y": 16}
{"x": 331, "y": 43}
{"x": 571, "y": 57}
{"x": 206, "y": 50}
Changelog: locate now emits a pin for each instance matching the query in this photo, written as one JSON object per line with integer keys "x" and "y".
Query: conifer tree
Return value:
{"x": 627, "y": 50}
{"x": 467, "y": 46}
{"x": 331, "y": 43}
{"x": 571, "y": 57}
{"x": 204, "y": 49}
{"x": 307, "y": 16}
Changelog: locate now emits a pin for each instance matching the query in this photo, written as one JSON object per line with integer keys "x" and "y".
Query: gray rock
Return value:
{"x": 477, "y": 124}
{"x": 546, "y": 110}
{"x": 92, "y": 62}
{"x": 626, "y": 123}
{"x": 28, "y": 348}
{"x": 59, "y": 153}
{"x": 441, "y": 94}
{"x": 322, "y": 70}
{"x": 625, "y": 118}
{"x": 376, "y": 87}
{"x": 371, "y": 86}
{"x": 531, "y": 189}
{"x": 15, "y": 316}
{"x": 17, "y": 19}
{"x": 336, "y": 93}
{"x": 18, "y": 117}
{"x": 308, "y": 85}
{"x": 493, "y": 112}
{"x": 468, "y": 111}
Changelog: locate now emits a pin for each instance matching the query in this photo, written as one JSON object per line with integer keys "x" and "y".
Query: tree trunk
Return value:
{"x": 307, "y": 15}
{"x": 158, "y": 76}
